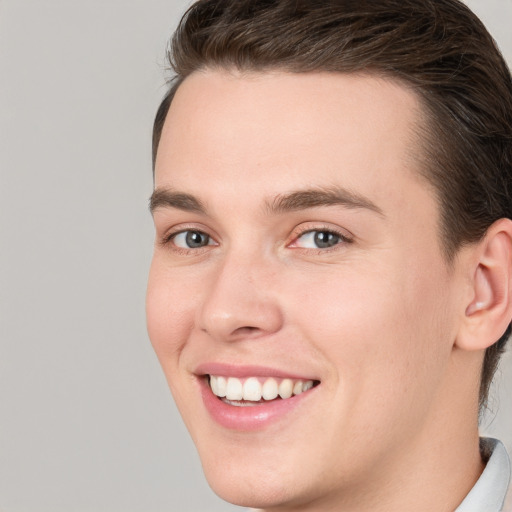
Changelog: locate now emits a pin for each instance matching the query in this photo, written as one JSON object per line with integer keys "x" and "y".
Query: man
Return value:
{"x": 332, "y": 277}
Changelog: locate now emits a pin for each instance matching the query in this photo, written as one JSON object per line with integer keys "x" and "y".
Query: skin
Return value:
{"x": 375, "y": 318}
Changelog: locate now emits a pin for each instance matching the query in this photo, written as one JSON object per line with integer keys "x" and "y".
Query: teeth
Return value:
{"x": 252, "y": 389}
{"x": 307, "y": 385}
{"x": 214, "y": 384}
{"x": 270, "y": 390}
{"x": 286, "y": 388}
{"x": 298, "y": 387}
{"x": 218, "y": 385}
{"x": 221, "y": 386}
{"x": 234, "y": 389}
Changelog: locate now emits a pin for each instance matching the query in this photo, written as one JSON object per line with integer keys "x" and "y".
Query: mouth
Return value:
{"x": 257, "y": 391}
{"x": 252, "y": 398}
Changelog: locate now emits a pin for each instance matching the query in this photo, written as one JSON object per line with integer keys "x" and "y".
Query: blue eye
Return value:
{"x": 191, "y": 240}
{"x": 318, "y": 239}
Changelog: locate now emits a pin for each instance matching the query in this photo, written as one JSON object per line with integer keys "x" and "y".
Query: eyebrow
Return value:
{"x": 282, "y": 203}
{"x": 168, "y": 198}
{"x": 315, "y": 197}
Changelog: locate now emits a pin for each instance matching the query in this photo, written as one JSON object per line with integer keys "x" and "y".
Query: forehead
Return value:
{"x": 279, "y": 130}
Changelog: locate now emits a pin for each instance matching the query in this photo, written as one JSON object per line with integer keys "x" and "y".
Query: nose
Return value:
{"x": 240, "y": 301}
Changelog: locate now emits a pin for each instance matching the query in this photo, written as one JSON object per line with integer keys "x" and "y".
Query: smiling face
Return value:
{"x": 297, "y": 250}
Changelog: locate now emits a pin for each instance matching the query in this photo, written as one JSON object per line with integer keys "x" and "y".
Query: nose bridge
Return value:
{"x": 240, "y": 300}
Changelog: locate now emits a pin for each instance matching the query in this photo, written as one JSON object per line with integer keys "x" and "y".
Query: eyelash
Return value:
{"x": 344, "y": 239}
{"x": 167, "y": 239}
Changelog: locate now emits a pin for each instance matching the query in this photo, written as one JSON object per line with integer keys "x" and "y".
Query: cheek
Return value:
{"x": 170, "y": 307}
{"x": 169, "y": 310}
{"x": 385, "y": 334}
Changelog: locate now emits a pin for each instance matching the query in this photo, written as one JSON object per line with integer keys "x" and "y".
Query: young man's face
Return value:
{"x": 306, "y": 248}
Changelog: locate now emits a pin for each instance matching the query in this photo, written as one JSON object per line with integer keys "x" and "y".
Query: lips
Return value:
{"x": 251, "y": 398}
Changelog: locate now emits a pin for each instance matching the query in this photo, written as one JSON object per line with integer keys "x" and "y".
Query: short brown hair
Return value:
{"x": 437, "y": 47}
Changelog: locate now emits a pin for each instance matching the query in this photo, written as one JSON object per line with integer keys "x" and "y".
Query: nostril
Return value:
{"x": 246, "y": 330}
{"x": 240, "y": 332}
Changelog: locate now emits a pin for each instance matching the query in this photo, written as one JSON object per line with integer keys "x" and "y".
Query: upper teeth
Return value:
{"x": 254, "y": 389}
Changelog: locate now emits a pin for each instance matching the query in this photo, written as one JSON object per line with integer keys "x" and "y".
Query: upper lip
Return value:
{"x": 244, "y": 371}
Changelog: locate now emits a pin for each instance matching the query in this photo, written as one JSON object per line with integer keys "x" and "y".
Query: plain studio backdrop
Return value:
{"x": 86, "y": 419}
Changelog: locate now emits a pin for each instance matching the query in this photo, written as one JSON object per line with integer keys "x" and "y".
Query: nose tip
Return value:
{"x": 239, "y": 307}
{"x": 247, "y": 321}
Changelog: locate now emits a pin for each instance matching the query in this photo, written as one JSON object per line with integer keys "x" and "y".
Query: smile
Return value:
{"x": 252, "y": 398}
{"x": 256, "y": 390}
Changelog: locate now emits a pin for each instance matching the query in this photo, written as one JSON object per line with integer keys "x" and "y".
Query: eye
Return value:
{"x": 191, "y": 239}
{"x": 319, "y": 239}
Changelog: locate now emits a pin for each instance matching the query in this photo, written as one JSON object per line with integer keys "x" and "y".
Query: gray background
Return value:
{"x": 86, "y": 420}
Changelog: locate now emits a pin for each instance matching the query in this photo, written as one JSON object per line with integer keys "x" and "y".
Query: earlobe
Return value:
{"x": 489, "y": 312}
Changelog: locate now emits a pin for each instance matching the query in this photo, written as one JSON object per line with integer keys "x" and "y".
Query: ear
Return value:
{"x": 489, "y": 311}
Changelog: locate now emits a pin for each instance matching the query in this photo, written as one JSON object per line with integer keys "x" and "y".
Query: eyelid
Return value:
{"x": 167, "y": 237}
{"x": 344, "y": 235}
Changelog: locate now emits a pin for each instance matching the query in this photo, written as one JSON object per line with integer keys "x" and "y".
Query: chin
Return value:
{"x": 254, "y": 489}
{"x": 259, "y": 478}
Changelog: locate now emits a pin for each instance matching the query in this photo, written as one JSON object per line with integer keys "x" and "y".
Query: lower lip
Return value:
{"x": 248, "y": 418}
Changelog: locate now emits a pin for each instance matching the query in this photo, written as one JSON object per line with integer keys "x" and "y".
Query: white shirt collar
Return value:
{"x": 488, "y": 494}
